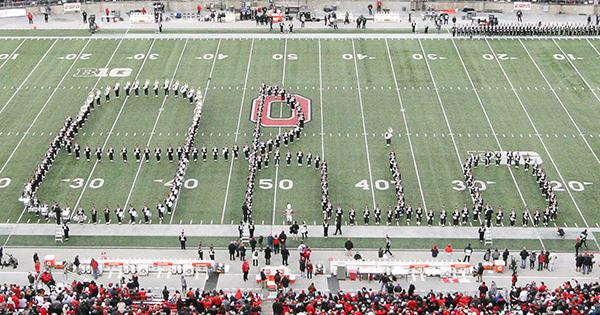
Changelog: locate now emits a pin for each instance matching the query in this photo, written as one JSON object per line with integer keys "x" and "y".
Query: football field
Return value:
{"x": 444, "y": 99}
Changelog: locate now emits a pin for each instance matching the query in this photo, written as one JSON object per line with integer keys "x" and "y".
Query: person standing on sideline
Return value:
{"x": 267, "y": 255}
{"x": 84, "y": 16}
{"x": 388, "y": 245}
{"x": 30, "y": 17}
{"x": 245, "y": 269}
{"x": 468, "y": 252}
{"x": 524, "y": 254}
{"x": 434, "y": 251}
{"x": 183, "y": 284}
{"x": 66, "y": 230}
{"x": 182, "y": 240}
{"x": 309, "y": 269}
{"x": 481, "y": 233}
{"x": 285, "y": 254}
{"x": 94, "y": 266}
{"x": 348, "y": 246}
{"x": 449, "y": 250}
{"x": 200, "y": 251}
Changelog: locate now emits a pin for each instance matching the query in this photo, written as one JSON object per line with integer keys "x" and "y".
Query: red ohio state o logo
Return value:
{"x": 269, "y": 121}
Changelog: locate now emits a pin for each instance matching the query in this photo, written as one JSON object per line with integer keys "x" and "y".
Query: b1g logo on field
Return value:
{"x": 272, "y": 114}
{"x": 102, "y": 72}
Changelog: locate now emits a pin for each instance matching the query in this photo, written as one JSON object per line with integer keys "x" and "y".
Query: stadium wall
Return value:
{"x": 350, "y": 5}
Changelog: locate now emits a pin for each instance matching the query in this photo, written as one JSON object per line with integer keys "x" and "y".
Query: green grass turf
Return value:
{"x": 335, "y": 243}
{"x": 340, "y": 67}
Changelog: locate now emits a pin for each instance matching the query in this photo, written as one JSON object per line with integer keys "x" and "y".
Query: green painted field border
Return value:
{"x": 335, "y": 243}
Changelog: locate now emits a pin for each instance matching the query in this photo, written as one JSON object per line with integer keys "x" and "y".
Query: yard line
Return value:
{"x": 12, "y": 54}
{"x": 437, "y": 92}
{"x": 237, "y": 130}
{"x": 493, "y": 133}
{"x": 111, "y": 129}
{"x": 160, "y": 110}
{"x": 43, "y": 107}
{"x": 441, "y": 106}
{"x": 275, "y": 183}
{"x": 575, "y": 68}
{"x": 402, "y": 109}
{"x": 561, "y": 103}
{"x": 28, "y": 75}
{"x": 321, "y": 102}
{"x": 364, "y": 125}
{"x": 537, "y": 133}
{"x": 212, "y": 68}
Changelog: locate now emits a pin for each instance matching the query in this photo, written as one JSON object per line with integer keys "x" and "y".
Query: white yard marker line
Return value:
{"x": 538, "y": 133}
{"x": 212, "y": 68}
{"x": 237, "y": 130}
{"x": 442, "y": 106}
{"x": 364, "y": 125}
{"x": 403, "y": 111}
{"x": 276, "y": 182}
{"x": 112, "y": 128}
{"x": 512, "y": 175}
{"x": 561, "y": 103}
{"x": 29, "y": 75}
{"x": 321, "y": 102}
{"x": 577, "y": 70}
{"x": 43, "y": 107}
{"x": 12, "y": 54}
{"x": 160, "y": 111}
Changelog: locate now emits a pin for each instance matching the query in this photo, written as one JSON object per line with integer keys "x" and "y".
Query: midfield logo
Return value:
{"x": 269, "y": 121}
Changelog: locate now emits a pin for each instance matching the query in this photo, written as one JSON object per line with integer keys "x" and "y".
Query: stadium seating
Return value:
{"x": 89, "y": 298}
{"x": 570, "y": 298}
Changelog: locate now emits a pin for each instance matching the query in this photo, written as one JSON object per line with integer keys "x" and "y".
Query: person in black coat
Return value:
{"x": 285, "y": 254}
{"x": 277, "y": 308}
{"x": 268, "y": 255}
{"x": 231, "y": 247}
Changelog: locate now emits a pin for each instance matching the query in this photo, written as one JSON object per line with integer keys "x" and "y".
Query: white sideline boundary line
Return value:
{"x": 12, "y": 54}
{"x": 112, "y": 128}
{"x": 561, "y": 102}
{"x": 27, "y": 77}
{"x": 538, "y": 134}
{"x": 276, "y": 182}
{"x": 271, "y": 36}
{"x": 160, "y": 110}
{"x": 437, "y": 93}
{"x": 321, "y": 102}
{"x": 212, "y": 67}
{"x": 43, "y": 107}
{"x": 403, "y": 111}
{"x": 512, "y": 175}
{"x": 364, "y": 125}
{"x": 237, "y": 130}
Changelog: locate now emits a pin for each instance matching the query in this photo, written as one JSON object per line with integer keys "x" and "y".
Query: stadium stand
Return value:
{"x": 571, "y": 297}
{"x": 90, "y": 298}
{"x": 533, "y": 298}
